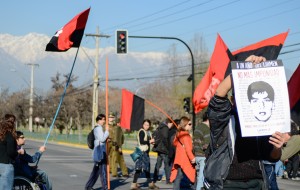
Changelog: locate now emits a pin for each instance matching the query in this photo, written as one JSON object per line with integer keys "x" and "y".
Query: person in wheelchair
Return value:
{"x": 22, "y": 161}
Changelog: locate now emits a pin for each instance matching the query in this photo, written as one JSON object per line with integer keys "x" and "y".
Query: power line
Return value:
{"x": 182, "y": 18}
{"x": 171, "y": 14}
{"x": 141, "y": 18}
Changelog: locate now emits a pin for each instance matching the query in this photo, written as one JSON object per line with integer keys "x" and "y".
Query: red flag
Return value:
{"x": 213, "y": 76}
{"x": 132, "y": 111}
{"x": 293, "y": 88}
{"x": 219, "y": 63}
{"x": 70, "y": 35}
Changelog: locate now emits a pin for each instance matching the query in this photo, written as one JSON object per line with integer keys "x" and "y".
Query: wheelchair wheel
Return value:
{"x": 23, "y": 183}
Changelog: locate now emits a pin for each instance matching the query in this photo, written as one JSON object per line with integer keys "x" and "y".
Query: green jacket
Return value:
{"x": 201, "y": 139}
{"x": 292, "y": 147}
{"x": 118, "y": 137}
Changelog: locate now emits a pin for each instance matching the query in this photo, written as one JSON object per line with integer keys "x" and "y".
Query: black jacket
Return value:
{"x": 161, "y": 139}
{"x": 8, "y": 149}
{"x": 226, "y": 142}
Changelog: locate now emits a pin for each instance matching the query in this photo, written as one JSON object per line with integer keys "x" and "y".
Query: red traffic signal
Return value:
{"x": 121, "y": 41}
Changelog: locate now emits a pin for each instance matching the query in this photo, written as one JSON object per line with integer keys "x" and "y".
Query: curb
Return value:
{"x": 126, "y": 151}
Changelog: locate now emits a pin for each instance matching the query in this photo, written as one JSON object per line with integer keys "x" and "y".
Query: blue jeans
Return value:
{"x": 200, "y": 163}
{"x": 99, "y": 169}
{"x": 279, "y": 168}
{"x": 6, "y": 176}
{"x": 45, "y": 178}
{"x": 176, "y": 184}
{"x": 271, "y": 176}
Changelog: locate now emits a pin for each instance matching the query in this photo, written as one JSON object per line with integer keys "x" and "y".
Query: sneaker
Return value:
{"x": 163, "y": 178}
{"x": 296, "y": 178}
{"x": 285, "y": 175}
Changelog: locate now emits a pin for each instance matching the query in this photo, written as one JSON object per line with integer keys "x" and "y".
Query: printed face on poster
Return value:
{"x": 261, "y": 97}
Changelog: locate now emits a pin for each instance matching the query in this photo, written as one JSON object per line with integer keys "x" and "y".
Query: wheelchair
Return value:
{"x": 23, "y": 183}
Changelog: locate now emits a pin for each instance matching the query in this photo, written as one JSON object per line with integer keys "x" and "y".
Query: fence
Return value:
{"x": 129, "y": 143}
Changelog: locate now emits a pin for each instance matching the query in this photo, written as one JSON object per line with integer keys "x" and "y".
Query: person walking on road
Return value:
{"x": 162, "y": 148}
{"x": 144, "y": 138}
{"x": 184, "y": 162}
{"x": 117, "y": 154}
{"x": 200, "y": 143}
{"x": 99, "y": 154}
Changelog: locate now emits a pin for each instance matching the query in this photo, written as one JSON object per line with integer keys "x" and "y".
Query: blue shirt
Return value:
{"x": 100, "y": 139}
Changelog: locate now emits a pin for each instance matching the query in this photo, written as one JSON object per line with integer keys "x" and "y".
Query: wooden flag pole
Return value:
{"x": 106, "y": 113}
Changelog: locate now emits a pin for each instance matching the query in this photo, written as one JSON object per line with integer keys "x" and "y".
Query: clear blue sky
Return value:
{"x": 239, "y": 22}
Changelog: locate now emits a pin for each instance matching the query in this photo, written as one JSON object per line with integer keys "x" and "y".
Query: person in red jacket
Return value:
{"x": 184, "y": 157}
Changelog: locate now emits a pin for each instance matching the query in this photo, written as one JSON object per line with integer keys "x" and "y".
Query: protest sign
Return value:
{"x": 261, "y": 97}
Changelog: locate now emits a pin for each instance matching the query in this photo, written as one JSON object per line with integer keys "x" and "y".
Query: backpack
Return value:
{"x": 90, "y": 139}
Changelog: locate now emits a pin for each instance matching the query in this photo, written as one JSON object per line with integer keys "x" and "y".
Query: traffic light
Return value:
{"x": 121, "y": 41}
{"x": 186, "y": 105}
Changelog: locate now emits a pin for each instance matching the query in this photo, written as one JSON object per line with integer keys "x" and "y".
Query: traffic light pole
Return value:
{"x": 193, "y": 71}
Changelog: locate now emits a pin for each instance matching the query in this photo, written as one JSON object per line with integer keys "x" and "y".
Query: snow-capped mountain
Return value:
{"x": 16, "y": 52}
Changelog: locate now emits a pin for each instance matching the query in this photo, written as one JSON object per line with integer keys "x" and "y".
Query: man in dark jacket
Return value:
{"x": 22, "y": 163}
{"x": 234, "y": 161}
{"x": 200, "y": 144}
{"x": 162, "y": 148}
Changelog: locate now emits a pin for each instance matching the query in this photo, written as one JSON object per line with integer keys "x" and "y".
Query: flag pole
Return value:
{"x": 59, "y": 105}
{"x": 106, "y": 113}
{"x": 162, "y": 111}
{"x": 61, "y": 98}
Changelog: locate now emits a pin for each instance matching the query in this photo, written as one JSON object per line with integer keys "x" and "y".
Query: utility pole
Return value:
{"x": 96, "y": 76}
{"x": 31, "y": 95}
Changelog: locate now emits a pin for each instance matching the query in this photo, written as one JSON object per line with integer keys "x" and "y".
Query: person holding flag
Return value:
{"x": 99, "y": 154}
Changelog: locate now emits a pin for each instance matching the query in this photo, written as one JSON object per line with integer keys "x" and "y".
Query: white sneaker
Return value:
{"x": 296, "y": 178}
{"x": 285, "y": 175}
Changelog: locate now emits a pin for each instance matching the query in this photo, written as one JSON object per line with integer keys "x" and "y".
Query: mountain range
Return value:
{"x": 18, "y": 52}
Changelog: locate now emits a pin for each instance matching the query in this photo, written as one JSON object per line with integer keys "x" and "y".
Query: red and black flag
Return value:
{"x": 293, "y": 88}
{"x": 294, "y": 95}
{"x": 213, "y": 76}
{"x": 268, "y": 48}
{"x": 132, "y": 111}
{"x": 219, "y": 64}
{"x": 70, "y": 35}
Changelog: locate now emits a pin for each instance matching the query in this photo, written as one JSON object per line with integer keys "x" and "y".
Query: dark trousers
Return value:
{"x": 293, "y": 165}
{"x": 138, "y": 173}
{"x": 162, "y": 158}
{"x": 99, "y": 169}
{"x": 253, "y": 184}
{"x": 271, "y": 176}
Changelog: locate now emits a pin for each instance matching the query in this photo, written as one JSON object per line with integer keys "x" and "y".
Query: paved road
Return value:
{"x": 69, "y": 169}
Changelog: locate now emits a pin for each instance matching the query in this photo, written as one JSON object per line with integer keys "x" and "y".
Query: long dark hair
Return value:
{"x": 148, "y": 121}
{"x": 7, "y": 125}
